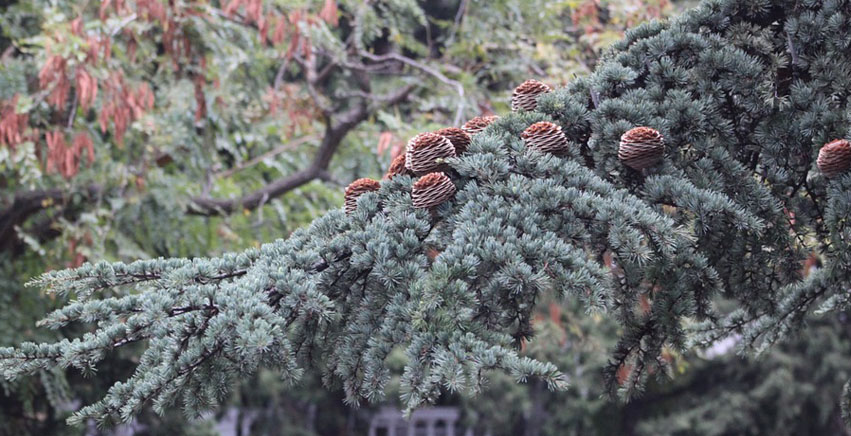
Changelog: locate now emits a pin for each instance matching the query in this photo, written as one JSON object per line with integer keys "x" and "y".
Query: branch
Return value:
{"x": 312, "y": 78}
{"x": 334, "y": 134}
{"x": 390, "y": 98}
{"x": 459, "y": 111}
{"x": 462, "y": 9}
{"x": 25, "y": 204}
{"x": 271, "y": 153}
{"x": 121, "y": 25}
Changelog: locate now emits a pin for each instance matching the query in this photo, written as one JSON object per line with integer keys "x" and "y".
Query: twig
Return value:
{"x": 73, "y": 112}
{"x": 279, "y": 76}
{"x": 271, "y": 153}
{"x": 309, "y": 66}
{"x": 462, "y": 10}
{"x": 595, "y": 98}
{"x": 127, "y": 20}
{"x": 392, "y": 97}
{"x": 792, "y": 50}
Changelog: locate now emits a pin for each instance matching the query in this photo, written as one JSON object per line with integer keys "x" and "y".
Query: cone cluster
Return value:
{"x": 432, "y": 190}
{"x": 424, "y": 150}
{"x": 834, "y": 158}
{"x": 356, "y": 189}
{"x": 397, "y": 168}
{"x": 478, "y": 124}
{"x": 458, "y": 137}
{"x": 546, "y": 137}
{"x": 641, "y": 147}
{"x": 525, "y": 96}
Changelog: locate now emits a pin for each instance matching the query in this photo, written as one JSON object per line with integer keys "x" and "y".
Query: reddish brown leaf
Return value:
{"x": 104, "y": 5}
{"x": 231, "y": 7}
{"x": 280, "y": 30}
{"x": 77, "y": 26}
{"x": 87, "y": 88}
{"x": 384, "y": 141}
{"x": 82, "y": 142}
{"x": 329, "y": 13}
{"x": 12, "y": 124}
{"x": 254, "y": 10}
{"x": 263, "y": 28}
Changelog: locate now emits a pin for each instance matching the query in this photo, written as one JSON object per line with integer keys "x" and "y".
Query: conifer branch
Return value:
{"x": 655, "y": 188}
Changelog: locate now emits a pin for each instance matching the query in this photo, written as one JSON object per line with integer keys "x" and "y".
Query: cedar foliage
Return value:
{"x": 745, "y": 93}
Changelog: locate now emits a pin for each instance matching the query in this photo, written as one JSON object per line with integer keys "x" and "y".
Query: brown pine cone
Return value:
{"x": 641, "y": 147}
{"x": 356, "y": 189}
{"x": 834, "y": 158}
{"x": 546, "y": 137}
{"x": 432, "y": 190}
{"x": 525, "y": 96}
{"x": 397, "y": 168}
{"x": 459, "y": 138}
{"x": 478, "y": 124}
{"x": 425, "y": 149}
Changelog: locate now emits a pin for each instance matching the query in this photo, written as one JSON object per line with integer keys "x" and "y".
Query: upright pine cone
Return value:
{"x": 641, "y": 147}
{"x": 459, "y": 138}
{"x": 397, "y": 168}
{"x": 834, "y": 158}
{"x": 478, "y": 124}
{"x": 356, "y": 189}
{"x": 425, "y": 149}
{"x": 432, "y": 190}
{"x": 546, "y": 137}
{"x": 525, "y": 96}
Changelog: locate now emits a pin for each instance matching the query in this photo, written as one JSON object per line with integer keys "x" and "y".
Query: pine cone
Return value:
{"x": 478, "y": 124}
{"x": 834, "y": 158}
{"x": 432, "y": 190}
{"x": 356, "y": 189}
{"x": 546, "y": 137}
{"x": 641, "y": 147}
{"x": 425, "y": 149}
{"x": 459, "y": 138}
{"x": 397, "y": 168}
{"x": 525, "y": 96}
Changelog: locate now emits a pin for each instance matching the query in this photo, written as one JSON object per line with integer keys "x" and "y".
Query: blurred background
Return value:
{"x": 143, "y": 128}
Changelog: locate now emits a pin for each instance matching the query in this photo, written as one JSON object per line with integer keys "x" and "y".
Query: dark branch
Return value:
{"x": 337, "y": 127}
{"x": 25, "y": 204}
